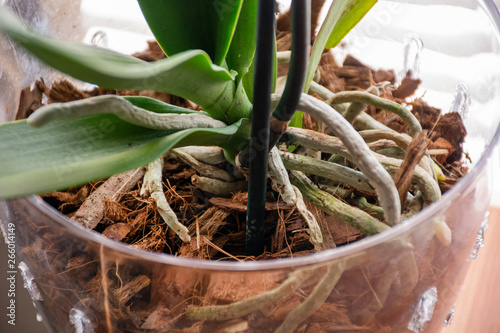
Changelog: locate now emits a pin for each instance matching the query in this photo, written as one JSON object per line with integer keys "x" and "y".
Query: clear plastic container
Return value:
{"x": 402, "y": 280}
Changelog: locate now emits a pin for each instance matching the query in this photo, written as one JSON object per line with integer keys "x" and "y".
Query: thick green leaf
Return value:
{"x": 342, "y": 16}
{"x": 238, "y": 141}
{"x": 154, "y": 105}
{"x": 248, "y": 78}
{"x": 242, "y": 50}
{"x": 350, "y": 17}
{"x": 247, "y": 81}
{"x": 190, "y": 74}
{"x": 65, "y": 153}
{"x": 193, "y": 24}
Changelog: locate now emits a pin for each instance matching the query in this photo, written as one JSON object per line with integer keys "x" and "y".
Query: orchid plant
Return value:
{"x": 212, "y": 62}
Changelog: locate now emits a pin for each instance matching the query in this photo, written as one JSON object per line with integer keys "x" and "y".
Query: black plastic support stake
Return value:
{"x": 301, "y": 41}
{"x": 259, "y": 137}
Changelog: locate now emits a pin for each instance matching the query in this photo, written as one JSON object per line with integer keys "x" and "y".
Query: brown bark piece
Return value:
{"x": 452, "y": 128}
{"x": 279, "y": 238}
{"x": 209, "y": 222}
{"x": 403, "y": 177}
{"x": 225, "y": 288}
{"x": 69, "y": 200}
{"x": 115, "y": 211}
{"x": 426, "y": 115}
{"x": 153, "y": 241}
{"x": 356, "y": 77}
{"x": 91, "y": 211}
{"x": 240, "y": 207}
{"x": 441, "y": 144}
{"x": 29, "y": 101}
{"x": 327, "y": 69}
{"x": 129, "y": 290}
{"x": 64, "y": 91}
{"x": 382, "y": 75}
{"x": 352, "y": 61}
{"x": 328, "y": 241}
{"x": 342, "y": 233}
{"x": 284, "y": 41}
{"x": 153, "y": 52}
{"x": 407, "y": 87}
{"x": 117, "y": 231}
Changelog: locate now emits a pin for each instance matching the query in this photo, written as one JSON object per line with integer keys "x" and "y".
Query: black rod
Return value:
{"x": 259, "y": 136}
{"x": 301, "y": 42}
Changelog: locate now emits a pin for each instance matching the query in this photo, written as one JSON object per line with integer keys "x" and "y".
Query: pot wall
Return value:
{"x": 97, "y": 284}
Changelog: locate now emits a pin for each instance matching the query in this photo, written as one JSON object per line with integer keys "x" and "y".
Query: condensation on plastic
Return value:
{"x": 3, "y": 230}
{"x": 412, "y": 53}
{"x": 462, "y": 100}
{"x": 423, "y": 310}
{"x": 80, "y": 321}
{"x": 480, "y": 236}
{"x": 449, "y": 318}
{"x": 100, "y": 39}
{"x": 380, "y": 284}
{"x": 29, "y": 282}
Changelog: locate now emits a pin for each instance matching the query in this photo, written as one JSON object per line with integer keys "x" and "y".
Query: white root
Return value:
{"x": 91, "y": 211}
{"x": 124, "y": 110}
{"x": 270, "y": 299}
{"x": 315, "y": 234}
{"x": 329, "y": 144}
{"x": 283, "y": 56}
{"x": 403, "y": 141}
{"x": 356, "y": 108}
{"x": 379, "y": 178}
{"x": 442, "y": 231}
{"x": 153, "y": 186}
{"x": 317, "y": 141}
{"x": 382, "y": 103}
{"x": 328, "y": 170}
{"x": 279, "y": 178}
{"x": 207, "y": 154}
{"x": 336, "y": 190}
{"x": 246, "y": 306}
{"x": 204, "y": 169}
{"x": 363, "y": 121}
{"x": 340, "y": 210}
{"x": 315, "y": 300}
{"x": 425, "y": 183}
{"x": 218, "y": 187}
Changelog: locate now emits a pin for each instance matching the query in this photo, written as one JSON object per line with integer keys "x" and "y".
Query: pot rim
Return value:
{"x": 273, "y": 264}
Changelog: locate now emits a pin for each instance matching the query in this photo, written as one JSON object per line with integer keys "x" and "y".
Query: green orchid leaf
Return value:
{"x": 66, "y": 153}
{"x": 248, "y": 78}
{"x": 342, "y": 16}
{"x": 193, "y": 24}
{"x": 247, "y": 81}
{"x": 354, "y": 12}
{"x": 238, "y": 141}
{"x": 242, "y": 50}
{"x": 154, "y": 105}
{"x": 190, "y": 74}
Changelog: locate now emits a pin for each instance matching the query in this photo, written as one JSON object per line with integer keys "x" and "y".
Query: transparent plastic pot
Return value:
{"x": 402, "y": 280}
